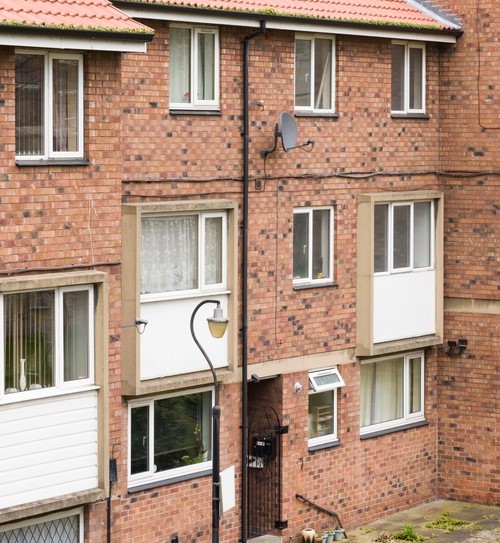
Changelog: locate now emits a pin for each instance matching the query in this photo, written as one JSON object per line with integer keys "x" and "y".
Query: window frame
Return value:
{"x": 203, "y": 287}
{"x": 48, "y": 110}
{"x": 390, "y": 232}
{"x": 310, "y": 280}
{"x": 407, "y": 418}
{"x": 311, "y": 107}
{"x": 59, "y": 385}
{"x": 194, "y": 103}
{"x": 316, "y": 389}
{"x": 407, "y": 109}
{"x": 188, "y": 471}
{"x": 19, "y": 525}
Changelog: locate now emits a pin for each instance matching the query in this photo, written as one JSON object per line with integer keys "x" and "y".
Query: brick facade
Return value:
{"x": 59, "y": 218}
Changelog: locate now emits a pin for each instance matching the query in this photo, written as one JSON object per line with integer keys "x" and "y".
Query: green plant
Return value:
{"x": 446, "y": 522}
{"x": 385, "y": 537}
{"x": 408, "y": 534}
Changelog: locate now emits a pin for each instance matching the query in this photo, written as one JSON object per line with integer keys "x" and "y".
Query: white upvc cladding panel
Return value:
{"x": 48, "y": 448}
{"x": 404, "y": 305}
{"x": 167, "y": 347}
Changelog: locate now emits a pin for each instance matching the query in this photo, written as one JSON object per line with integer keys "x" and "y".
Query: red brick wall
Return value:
{"x": 62, "y": 218}
{"x": 469, "y": 402}
{"x": 172, "y": 157}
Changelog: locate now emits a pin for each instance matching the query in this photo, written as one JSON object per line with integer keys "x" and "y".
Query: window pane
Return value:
{"x": 213, "y": 250}
{"x": 321, "y": 244}
{"x": 322, "y": 74}
{"x": 321, "y": 414}
{"x": 29, "y": 105}
{"x": 300, "y": 245}
{"x": 139, "y": 441}
{"x": 303, "y": 73}
{"x": 180, "y": 65}
{"x": 60, "y": 530}
{"x": 169, "y": 254}
{"x": 206, "y": 66}
{"x": 422, "y": 234}
{"x": 397, "y": 85}
{"x": 65, "y": 105}
{"x": 415, "y": 371}
{"x": 29, "y": 340}
{"x": 416, "y": 72}
{"x": 381, "y": 391}
{"x": 76, "y": 335}
{"x": 182, "y": 431}
{"x": 401, "y": 236}
{"x": 381, "y": 240}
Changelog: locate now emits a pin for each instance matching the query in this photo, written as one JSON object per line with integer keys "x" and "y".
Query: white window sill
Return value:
{"x": 333, "y": 442}
{"x": 52, "y": 392}
{"x": 368, "y": 434}
{"x": 146, "y": 485}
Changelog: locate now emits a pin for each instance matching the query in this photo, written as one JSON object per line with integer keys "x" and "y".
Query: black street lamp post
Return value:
{"x": 217, "y": 325}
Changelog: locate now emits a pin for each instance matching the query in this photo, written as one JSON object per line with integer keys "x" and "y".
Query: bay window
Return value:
{"x": 392, "y": 392}
{"x": 49, "y": 105}
{"x": 194, "y": 67}
{"x": 183, "y": 254}
{"x": 47, "y": 338}
{"x": 404, "y": 236}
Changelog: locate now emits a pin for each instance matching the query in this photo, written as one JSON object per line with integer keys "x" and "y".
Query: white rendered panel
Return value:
{"x": 404, "y": 305}
{"x": 167, "y": 347}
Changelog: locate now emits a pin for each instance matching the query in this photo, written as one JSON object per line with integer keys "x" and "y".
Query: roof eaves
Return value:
{"x": 141, "y": 34}
{"x": 270, "y": 14}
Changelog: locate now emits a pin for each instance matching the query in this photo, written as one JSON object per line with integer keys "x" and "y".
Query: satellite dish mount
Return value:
{"x": 286, "y": 129}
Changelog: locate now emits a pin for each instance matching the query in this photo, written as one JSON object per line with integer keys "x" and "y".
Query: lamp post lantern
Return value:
{"x": 217, "y": 325}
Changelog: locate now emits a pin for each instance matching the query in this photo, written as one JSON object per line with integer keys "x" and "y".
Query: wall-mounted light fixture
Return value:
{"x": 139, "y": 323}
{"x": 298, "y": 388}
{"x": 456, "y": 348}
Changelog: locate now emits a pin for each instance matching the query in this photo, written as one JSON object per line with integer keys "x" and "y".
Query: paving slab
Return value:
{"x": 483, "y": 524}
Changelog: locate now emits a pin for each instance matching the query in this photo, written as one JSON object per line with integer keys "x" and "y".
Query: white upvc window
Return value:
{"x": 61, "y": 527}
{"x": 404, "y": 236}
{"x": 323, "y": 386}
{"x": 314, "y": 73}
{"x": 392, "y": 392}
{"x": 194, "y": 67}
{"x": 183, "y": 255}
{"x": 49, "y": 105}
{"x": 312, "y": 246}
{"x": 408, "y": 78}
{"x": 169, "y": 437}
{"x": 48, "y": 340}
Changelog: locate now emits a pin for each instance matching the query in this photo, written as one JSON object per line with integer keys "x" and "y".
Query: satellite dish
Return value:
{"x": 288, "y": 131}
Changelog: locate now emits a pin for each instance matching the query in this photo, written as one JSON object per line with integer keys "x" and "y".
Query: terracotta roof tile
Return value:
{"x": 93, "y": 15}
{"x": 396, "y": 12}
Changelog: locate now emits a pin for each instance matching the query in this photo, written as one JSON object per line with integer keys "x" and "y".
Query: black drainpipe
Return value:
{"x": 244, "y": 289}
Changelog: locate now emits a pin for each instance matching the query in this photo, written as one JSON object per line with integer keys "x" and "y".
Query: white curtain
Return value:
{"x": 169, "y": 255}
{"x": 381, "y": 391}
{"x": 213, "y": 250}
